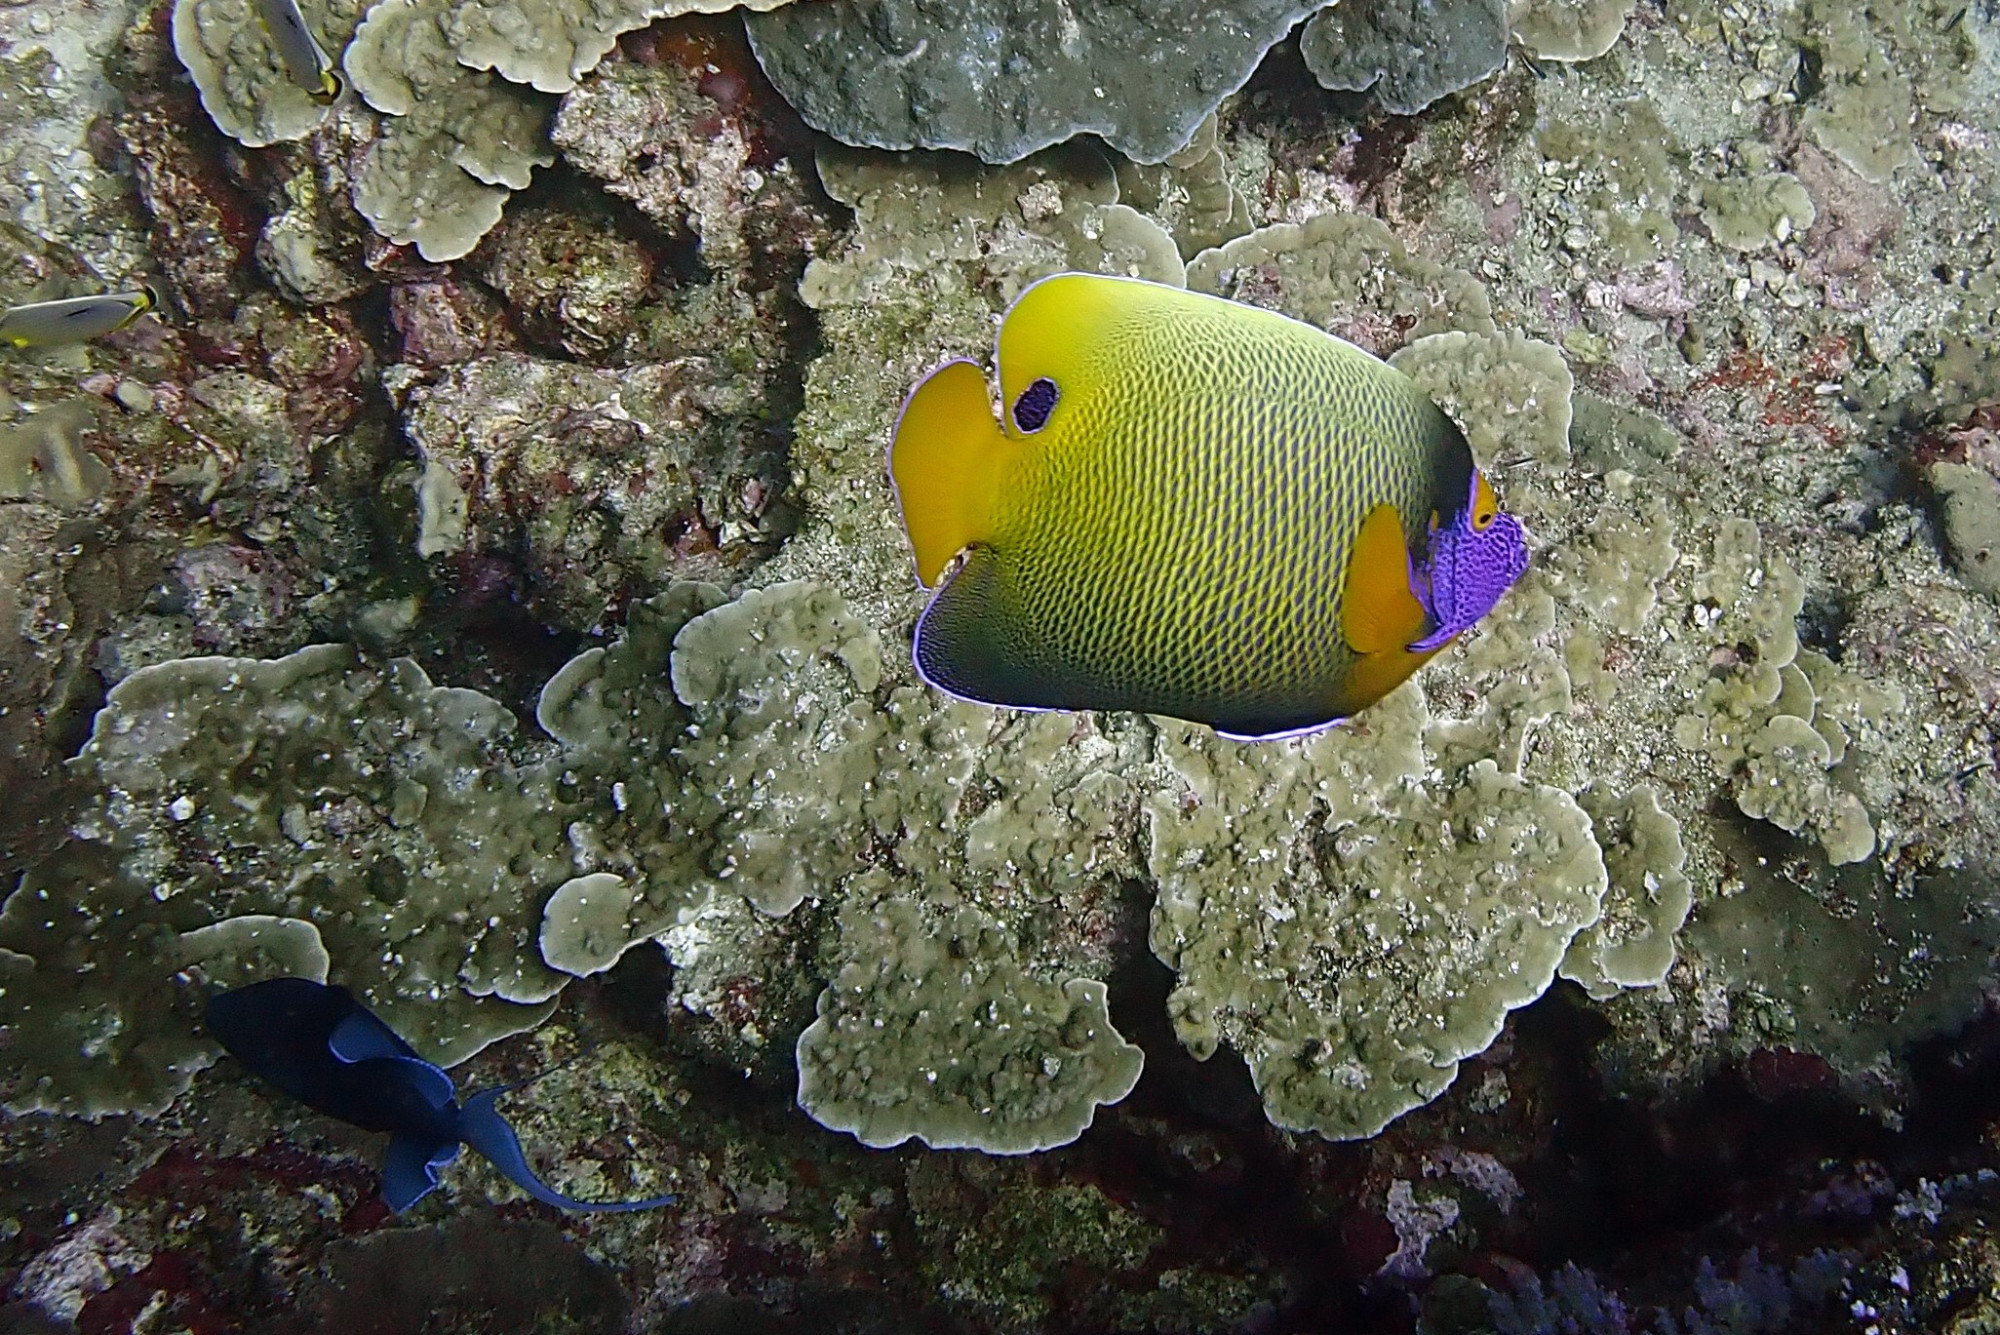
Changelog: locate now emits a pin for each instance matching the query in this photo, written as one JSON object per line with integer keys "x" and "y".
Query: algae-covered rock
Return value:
{"x": 1409, "y": 53}
{"x": 1004, "y": 79}
{"x": 596, "y": 482}
{"x": 458, "y": 141}
{"x": 235, "y": 66}
{"x": 931, "y": 1029}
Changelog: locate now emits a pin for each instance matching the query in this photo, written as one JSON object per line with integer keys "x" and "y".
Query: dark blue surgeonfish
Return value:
{"x": 327, "y": 1050}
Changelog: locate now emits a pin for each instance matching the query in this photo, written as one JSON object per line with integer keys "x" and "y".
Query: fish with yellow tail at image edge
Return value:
{"x": 305, "y": 60}
{"x": 42, "y": 324}
{"x": 1192, "y": 507}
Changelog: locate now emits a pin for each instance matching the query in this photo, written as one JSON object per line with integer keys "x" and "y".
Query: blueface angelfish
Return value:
{"x": 1193, "y": 508}
{"x": 331, "y": 1053}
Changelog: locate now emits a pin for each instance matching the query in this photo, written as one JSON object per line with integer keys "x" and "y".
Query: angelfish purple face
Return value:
{"x": 1471, "y": 562}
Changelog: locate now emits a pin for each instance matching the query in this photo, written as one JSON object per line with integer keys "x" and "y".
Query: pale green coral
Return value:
{"x": 1971, "y": 503}
{"x": 1614, "y": 566}
{"x": 1347, "y": 274}
{"x": 549, "y": 46}
{"x": 44, "y": 458}
{"x": 1355, "y": 979}
{"x": 774, "y": 678}
{"x": 1647, "y": 900}
{"x": 1408, "y": 55}
{"x": 1755, "y": 703}
{"x": 1190, "y": 194}
{"x": 933, "y": 1031}
{"x": 88, "y": 966}
{"x": 458, "y": 141}
{"x": 1618, "y": 180}
{"x": 1748, "y": 212}
{"x": 360, "y": 798}
{"x": 1862, "y": 108}
{"x": 1509, "y": 393}
{"x": 1514, "y": 672}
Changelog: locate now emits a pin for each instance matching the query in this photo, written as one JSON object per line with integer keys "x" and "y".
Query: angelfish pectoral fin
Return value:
{"x": 1379, "y": 612}
{"x": 482, "y": 1127}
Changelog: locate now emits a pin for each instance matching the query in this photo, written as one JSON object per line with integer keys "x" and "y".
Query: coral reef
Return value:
{"x": 1714, "y": 303}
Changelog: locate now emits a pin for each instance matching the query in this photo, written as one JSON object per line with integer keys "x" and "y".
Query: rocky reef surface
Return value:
{"x": 480, "y": 586}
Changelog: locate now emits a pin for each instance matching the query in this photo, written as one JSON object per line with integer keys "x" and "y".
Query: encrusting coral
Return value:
{"x": 932, "y": 1030}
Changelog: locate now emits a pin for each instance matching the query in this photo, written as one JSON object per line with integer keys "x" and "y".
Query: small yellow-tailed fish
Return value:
{"x": 306, "y": 61}
{"x": 1193, "y": 508}
{"x": 40, "y": 324}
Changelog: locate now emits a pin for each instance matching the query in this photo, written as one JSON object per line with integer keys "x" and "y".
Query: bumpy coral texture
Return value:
{"x": 890, "y": 74}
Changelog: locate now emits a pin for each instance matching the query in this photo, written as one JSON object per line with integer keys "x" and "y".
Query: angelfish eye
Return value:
{"x": 1037, "y": 401}
{"x": 1482, "y": 519}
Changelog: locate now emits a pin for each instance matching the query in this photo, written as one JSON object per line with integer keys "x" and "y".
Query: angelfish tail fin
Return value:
{"x": 946, "y": 460}
{"x": 481, "y": 1126}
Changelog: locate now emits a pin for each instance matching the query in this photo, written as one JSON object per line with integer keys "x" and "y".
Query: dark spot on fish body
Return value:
{"x": 1037, "y": 401}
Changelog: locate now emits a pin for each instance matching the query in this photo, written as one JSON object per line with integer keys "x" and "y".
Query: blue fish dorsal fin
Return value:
{"x": 361, "y": 1037}
{"x": 410, "y": 1169}
{"x": 481, "y": 1126}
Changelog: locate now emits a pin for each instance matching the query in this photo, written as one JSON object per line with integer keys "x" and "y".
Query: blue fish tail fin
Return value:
{"x": 410, "y": 1169}
{"x": 481, "y": 1126}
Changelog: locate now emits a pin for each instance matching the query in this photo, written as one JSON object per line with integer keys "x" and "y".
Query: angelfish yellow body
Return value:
{"x": 1192, "y": 507}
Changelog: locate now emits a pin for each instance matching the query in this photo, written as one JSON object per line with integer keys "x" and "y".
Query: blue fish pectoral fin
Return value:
{"x": 947, "y": 458}
{"x": 410, "y": 1169}
{"x": 481, "y": 1126}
